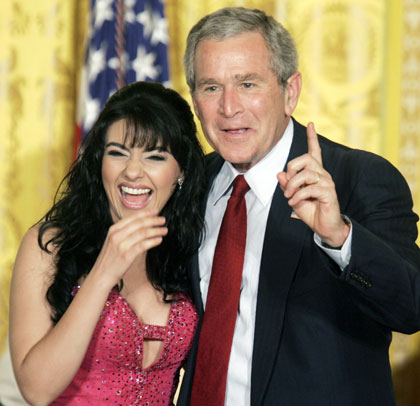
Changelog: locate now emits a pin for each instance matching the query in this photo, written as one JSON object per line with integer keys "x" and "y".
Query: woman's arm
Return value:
{"x": 46, "y": 357}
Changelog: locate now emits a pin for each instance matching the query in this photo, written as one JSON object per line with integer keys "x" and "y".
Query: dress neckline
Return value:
{"x": 147, "y": 325}
{"x": 177, "y": 297}
{"x": 147, "y": 331}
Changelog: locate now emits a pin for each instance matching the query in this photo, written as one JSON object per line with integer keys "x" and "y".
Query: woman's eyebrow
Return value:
{"x": 116, "y": 144}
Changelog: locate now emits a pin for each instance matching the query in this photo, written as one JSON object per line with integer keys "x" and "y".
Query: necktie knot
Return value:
{"x": 240, "y": 187}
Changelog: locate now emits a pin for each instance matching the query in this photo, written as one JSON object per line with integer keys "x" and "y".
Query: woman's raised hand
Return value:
{"x": 126, "y": 241}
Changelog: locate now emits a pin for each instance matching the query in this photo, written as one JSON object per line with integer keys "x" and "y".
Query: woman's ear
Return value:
{"x": 180, "y": 181}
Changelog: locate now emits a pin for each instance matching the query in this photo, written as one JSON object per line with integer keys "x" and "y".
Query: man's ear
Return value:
{"x": 292, "y": 92}
{"x": 194, "y": 104}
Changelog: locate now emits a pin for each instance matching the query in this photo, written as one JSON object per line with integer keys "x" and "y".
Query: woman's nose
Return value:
{"x": 134, "y": 169}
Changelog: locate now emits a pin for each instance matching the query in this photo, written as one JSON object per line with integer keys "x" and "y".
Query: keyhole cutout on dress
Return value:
{"x": 153, "y": 315}
{"x": 152, "y": 351}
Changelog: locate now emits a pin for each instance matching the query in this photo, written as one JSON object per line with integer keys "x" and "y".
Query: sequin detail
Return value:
{"x": 111, "y": 372}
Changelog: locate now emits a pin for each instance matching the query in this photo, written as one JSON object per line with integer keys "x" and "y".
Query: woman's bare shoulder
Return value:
{"x": 31, "y": 258}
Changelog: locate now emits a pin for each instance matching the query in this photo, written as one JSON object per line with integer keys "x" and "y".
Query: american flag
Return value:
{"x": 127, "y": 42}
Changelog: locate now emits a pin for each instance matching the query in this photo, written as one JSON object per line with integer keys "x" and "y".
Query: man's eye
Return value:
{"x": 247, "y": 85}
{"x": 211, "y": 89}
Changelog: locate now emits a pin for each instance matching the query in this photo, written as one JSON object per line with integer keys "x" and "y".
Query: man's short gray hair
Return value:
{"x": 231, "y": 21}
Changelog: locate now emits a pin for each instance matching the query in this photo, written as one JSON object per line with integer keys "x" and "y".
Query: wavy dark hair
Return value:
{"x": 80, "y": 216}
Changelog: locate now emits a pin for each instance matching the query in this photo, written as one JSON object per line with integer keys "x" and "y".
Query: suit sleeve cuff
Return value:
{"x": 341, "y": 256}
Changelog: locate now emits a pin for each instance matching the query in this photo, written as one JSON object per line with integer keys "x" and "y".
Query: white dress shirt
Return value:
{"x": 262, "y": 179}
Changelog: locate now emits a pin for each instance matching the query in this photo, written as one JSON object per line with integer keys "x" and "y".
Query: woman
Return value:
{"x": 100, "y": 312}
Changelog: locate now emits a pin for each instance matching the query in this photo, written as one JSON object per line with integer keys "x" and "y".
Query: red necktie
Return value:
{"x": 216, "y": 334}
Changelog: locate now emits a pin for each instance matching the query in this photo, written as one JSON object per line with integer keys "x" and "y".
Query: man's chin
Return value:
{"x": 242, "y": 166}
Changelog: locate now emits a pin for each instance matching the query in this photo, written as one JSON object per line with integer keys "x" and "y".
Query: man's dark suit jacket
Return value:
{"x": 322, "y": 334}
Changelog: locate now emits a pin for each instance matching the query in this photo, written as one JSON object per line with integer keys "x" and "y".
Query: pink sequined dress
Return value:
{"x": 112, "y": 373}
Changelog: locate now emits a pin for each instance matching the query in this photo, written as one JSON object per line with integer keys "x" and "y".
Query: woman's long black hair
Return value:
{"x": 80, "y": 217}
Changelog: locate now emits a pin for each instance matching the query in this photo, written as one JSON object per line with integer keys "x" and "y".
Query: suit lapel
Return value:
{"x": 283, "y": 243}
{"x": 213, "y": 164}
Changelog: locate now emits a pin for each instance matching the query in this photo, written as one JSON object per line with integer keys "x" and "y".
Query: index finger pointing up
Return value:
{"x": 313, "y": 145}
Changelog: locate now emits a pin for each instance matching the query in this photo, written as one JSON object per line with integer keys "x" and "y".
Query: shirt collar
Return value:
{"x": 262, "y": 177}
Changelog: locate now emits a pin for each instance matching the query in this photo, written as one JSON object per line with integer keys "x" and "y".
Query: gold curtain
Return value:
{"x": 360, "y": 61}
{"x": 37, "y": 101}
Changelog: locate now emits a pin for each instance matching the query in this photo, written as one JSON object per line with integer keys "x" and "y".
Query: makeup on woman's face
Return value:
{"x": 135, "y": 177}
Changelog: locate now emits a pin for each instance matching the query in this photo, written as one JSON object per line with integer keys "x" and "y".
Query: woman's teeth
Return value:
{"x": 131, "y": 191}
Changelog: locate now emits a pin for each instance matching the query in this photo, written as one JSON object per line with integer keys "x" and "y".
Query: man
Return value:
{"x": 330, "y": 263}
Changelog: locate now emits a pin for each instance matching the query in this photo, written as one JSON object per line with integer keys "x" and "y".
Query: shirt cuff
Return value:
{"x": 342, "y": 255}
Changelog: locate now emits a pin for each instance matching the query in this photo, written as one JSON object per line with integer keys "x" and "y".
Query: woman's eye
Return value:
{"x": 157, "y": 157}
{"x": 114, "y": 152}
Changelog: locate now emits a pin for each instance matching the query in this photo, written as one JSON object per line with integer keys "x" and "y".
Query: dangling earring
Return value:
{"x": 180, "y": 182}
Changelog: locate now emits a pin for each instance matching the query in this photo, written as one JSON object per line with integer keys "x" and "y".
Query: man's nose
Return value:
{"x": 230, "y": 103}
